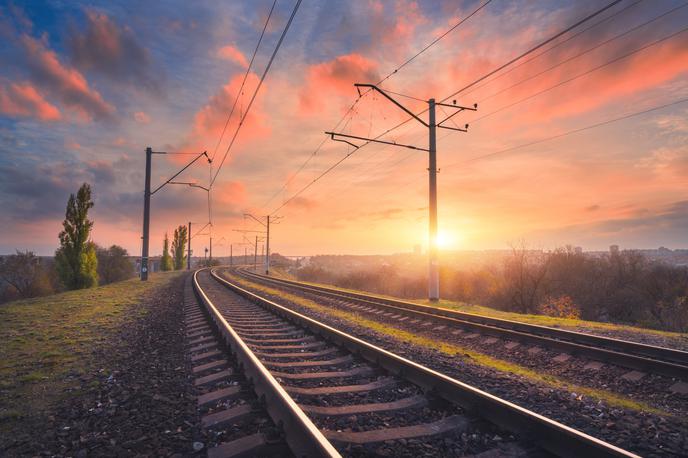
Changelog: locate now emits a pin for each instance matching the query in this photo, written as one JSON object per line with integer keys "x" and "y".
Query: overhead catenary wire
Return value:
{"x": 468, "y": 86}
{"x": 570, "y": 132}
{"x": 243, "y": 82}
{"x": 580, "y": 75}
{"x": 385, "y": 78}
{"x": 255, "y": 92}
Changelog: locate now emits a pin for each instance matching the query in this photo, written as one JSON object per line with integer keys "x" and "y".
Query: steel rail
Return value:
{"x": 302, "y": 436}
{"x": 659, "y": 360}
{"x": 546, "y": 433}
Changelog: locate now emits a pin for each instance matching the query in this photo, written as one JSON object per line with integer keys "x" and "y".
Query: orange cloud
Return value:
{"x": 336, "y": 76}
{"x": 22, "y": 99}
{"x": 210, "y": 120}
{"x": 231, "y": 53}
{"x": 141, "y": 117}
{"x": 66, "y": 83}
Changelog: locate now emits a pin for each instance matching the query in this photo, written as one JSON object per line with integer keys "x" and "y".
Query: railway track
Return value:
{"x": 640, "y": 358}
{"x": 332, "y": 394}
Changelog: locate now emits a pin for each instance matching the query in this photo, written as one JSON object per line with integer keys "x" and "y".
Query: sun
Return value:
{"x": 445, "y": 240}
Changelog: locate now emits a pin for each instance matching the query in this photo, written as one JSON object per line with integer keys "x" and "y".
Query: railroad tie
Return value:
{"x": 355, "y": 409}
{"x": 325, "y": 390}
{"x": 213, "y": 378}
{"x": 455, "y": 423}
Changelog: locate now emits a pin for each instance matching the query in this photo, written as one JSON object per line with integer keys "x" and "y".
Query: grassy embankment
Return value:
{"x": 47, "y": 341}
{"x": 454, "y": 350}
{"x": 626, "y": 331}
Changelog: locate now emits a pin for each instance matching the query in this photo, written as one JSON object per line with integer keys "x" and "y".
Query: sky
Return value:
{"x": 85, "y": 87}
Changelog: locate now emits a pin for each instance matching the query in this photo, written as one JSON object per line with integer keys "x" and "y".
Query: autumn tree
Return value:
{"x": 75, "y": 259}
{"x": 113, "y": 264}
{"x": 25, "y": 274}
{"x": 179, "y": 247}
{"x": 166, "y": 261}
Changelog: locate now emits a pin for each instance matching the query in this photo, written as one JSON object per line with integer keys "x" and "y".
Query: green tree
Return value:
{"x": 75, "y": 260}
{"x": 166, "y": 261}
{"x": 113, "y": 264}
{"x": 179, "y": 247}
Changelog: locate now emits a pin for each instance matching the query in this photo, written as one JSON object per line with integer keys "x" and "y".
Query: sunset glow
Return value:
{"x": 85, "y": 89}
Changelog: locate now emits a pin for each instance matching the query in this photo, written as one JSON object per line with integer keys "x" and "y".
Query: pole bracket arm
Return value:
{"x": 374, "y": 140}
{"x": 388, "y": 97}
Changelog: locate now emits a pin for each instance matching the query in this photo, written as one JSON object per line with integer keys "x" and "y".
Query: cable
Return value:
{"x": 248, "y": 70}
{"x": 582, "y": 53}
{"x": 587, "y": 72}
{"x": 255, "y": 92}
{"x": 570, "y": 132}
{"x": 556, "y": 45}
{"x": 433, "y": 42}
{"x": 385, "y": 78}
{"x": 482, "y": 78}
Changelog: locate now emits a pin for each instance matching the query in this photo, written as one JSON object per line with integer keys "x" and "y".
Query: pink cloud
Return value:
{"x": 22, "y": 99}
{"x": 231, "y": 53}
{"x": 210, "y": 119}
{"x": 336, "y": 76}
{"x": 141, "y": 117}
{"x": 64, "y": 82}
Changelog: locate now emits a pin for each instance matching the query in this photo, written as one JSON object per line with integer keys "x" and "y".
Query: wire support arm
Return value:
{"x": 332, "y": 136}
{"x": 204, "y": 153}
{"x": 391, "y": 99}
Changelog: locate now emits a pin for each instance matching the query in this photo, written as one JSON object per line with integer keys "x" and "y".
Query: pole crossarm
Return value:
{"x": 459, "y": 109}
{"x": 204, "y": 153}
{"x": 391, "y": 99}
{"x": 246, "y": 230}
{"x": 332, "y": 135}
{"x": 248, "y": 215}
{"x": 193, "y": 185}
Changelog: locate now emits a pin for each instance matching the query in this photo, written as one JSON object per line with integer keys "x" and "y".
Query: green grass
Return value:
{"x": 542, "y": 320}
{"x": 454, "y": 350}
{"x": 48, "y": 338}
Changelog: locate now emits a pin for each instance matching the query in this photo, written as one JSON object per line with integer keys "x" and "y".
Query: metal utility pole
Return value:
{"x": 146, "y": 216}
{"x": 188, "y": 250}
{"x": 266, "y": 225}
{"x": 255, "y": 255}
{"x": 211, "y": 249}
{"x": 432, "y": 125}
{"x": 267, "y": 252}
{"x": 433, "y": 264}
{"x": 147, "y": 193}
{"x": 231, "y": 259}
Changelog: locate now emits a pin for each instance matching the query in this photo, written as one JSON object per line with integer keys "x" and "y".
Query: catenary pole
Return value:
{"x": 433, "y": 267}
{"x": 146, "y": 216}
{"x": 188, "y": 250}
{"x": 267, "y": 251}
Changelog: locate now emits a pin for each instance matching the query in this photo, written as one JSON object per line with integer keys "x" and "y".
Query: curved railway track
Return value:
{"x": 331, "y": 393}
{"x": 632, "y": 355}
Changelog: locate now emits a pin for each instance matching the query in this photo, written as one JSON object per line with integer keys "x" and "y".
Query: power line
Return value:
{"x": 570, "y": 132}
{"x": 243, "y": 82}
{"x": 580, "y": 75}
{"x": 385, "y": 78}
{"x": 482, "y": 78}
{"x": 556, "y": 45}
{"x": 260, "y": 83}
{"x": 433, "y": 42}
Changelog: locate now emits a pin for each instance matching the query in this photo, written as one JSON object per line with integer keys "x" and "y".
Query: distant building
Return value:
{"x": 578, "y": 250}
{"x": 614, "y": 249}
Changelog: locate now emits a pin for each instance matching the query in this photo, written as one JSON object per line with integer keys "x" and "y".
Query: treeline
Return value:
{"x": 24, "y": 275}
{"x": 78, "y": 262}
{"x": 621, "y": 286}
